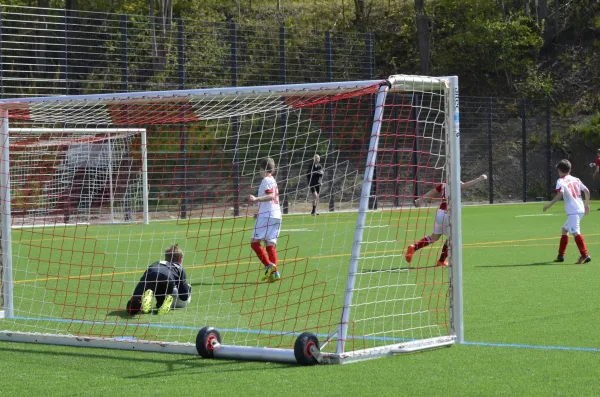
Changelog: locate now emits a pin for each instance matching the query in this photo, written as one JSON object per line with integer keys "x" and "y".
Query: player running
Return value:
{"x": 569, "y": 188}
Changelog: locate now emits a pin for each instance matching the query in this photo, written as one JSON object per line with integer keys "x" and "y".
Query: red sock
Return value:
{"x": 581, "y": 245}
{"x": 260, "y": 252}
{"x": 424, "y": 242}
{"x": 562, "y": 248}
{"x": 444, "y": 253}
{"x": 272, "y": 254}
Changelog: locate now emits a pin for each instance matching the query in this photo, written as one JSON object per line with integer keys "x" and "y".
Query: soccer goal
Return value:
{"x": 189, "y": 160}
{"x": 82, "y": 175}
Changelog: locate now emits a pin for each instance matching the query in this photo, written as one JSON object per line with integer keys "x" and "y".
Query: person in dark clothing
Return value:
{"x": 164, "y": 280}
{"x": 314, "y": 178}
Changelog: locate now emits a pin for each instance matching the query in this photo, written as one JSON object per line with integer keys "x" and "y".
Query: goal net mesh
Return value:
{"x": 73, "y": 270}
{"x": 74, "y": 175}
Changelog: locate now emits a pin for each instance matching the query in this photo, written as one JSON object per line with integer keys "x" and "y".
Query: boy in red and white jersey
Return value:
{"x": 569, "y": 188}
{"x": 442, "y": 224}
{"x": 596, "y": 164}
{"x": 268, "y": 220}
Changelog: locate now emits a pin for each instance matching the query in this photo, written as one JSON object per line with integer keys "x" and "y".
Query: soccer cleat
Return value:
{"x": 559, "y": 258}
{"x": 274, "y": 277}
{"x": 269, "y": 271}
{"x": 583, "y": 259}
{"x": 443, "y": 263}
{"x": 410, "y": 251}
{"x": 147, "y": 301}
{"x": 166, "y": 306}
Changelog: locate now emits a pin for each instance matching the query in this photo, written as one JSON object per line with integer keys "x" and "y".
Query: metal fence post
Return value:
{"x": 65, "y": 53}
{"x": 416, "y": 158}
{"x": 1, "y": 56}
{"x": 524, "y": 147}
{"x": 235, "y": 120}
{"x": 284, "y": 157}
{"x": 369, "y": 75}
{"x": 369, "y": 56}
{"x": 548, "y": 149}
{"x": 329, "y": 110}
{"x": 182, "y": 128}
{"x": 124, "y": 55}
{"x": 396, "y": 158}
{"x": 490, "y": 151}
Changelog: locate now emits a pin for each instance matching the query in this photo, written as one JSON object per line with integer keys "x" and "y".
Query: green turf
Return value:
{"x": 513, "y": 295}
{"x": 87, "y": 273}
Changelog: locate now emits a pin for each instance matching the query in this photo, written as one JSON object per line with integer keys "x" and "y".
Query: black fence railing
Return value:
{"x": 47, "y": 52}
{"x": 59, "y": 52}
{"x": 518, "y": 143}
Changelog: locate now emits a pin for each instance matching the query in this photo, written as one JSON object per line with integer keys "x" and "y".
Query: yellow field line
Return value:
{"x": 491, "y": 244}
{"x": 523, "y": 239}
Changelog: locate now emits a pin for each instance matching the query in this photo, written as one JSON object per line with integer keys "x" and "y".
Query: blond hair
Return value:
{"x": 174, "y": 254}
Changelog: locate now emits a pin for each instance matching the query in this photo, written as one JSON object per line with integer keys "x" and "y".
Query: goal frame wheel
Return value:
{"x": 206, "y": 340}
{"x": 306, "y": 349}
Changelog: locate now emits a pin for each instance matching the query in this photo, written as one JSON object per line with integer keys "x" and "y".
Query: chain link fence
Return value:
{"x": 48, "y": 52}
{"x": 60, "y": 52}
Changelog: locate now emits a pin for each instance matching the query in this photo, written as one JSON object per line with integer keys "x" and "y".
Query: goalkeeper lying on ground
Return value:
{"x": 164, "y": 280}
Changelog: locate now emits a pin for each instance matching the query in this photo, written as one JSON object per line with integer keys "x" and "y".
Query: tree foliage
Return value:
{"x": 525, "y": 47}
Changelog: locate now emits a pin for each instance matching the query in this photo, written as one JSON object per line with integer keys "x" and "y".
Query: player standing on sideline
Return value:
{"x": 314, "y": 177}
{"x": 442, "y": 225}
{"x": 596, "y": 166}
{"x": 570, "y": 188}
{"x": 164, "y": 280}
{"x": 268, "y": 220}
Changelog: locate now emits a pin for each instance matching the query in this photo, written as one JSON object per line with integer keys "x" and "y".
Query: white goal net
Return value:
{"x": 76, "y": 200}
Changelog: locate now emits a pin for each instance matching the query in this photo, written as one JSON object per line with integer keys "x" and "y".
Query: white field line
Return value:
{"x": 523, "y": 216}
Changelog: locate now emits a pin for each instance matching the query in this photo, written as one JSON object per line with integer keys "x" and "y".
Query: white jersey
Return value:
{"x": 571, "y": 189}
{"x": 269, "y": 209}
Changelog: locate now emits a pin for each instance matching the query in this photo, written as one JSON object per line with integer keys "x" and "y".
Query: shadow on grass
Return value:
{"x": 174, "y": 366}
{"x": 534, "y": 264}
{"x": 120, "y": 313}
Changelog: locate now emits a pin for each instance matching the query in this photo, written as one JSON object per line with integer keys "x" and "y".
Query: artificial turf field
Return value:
{"x": 530, "y": 326}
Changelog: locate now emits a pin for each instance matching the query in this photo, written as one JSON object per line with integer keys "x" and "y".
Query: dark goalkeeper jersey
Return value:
{"x": 175, "y": 273}
{"x": 314, "y": 174}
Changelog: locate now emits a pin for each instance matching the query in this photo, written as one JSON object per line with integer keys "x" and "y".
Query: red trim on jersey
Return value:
{"x": 441, "y": 189}
{"x": 269, "y": 191}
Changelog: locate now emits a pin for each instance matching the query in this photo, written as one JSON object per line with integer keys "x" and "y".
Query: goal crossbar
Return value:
{"x": 383, "y": 142}
{"x": 397, "y": 83}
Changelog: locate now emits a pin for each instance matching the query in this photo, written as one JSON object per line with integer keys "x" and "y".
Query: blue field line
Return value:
{"x": 284, "y": 333}
{"x": 522, "y": 346}
{"x": 169, "y": 326}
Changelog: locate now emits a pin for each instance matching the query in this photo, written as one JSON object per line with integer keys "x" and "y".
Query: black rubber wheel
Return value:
{"x": 302, "y": 348}
{"x": 204, "y": 341}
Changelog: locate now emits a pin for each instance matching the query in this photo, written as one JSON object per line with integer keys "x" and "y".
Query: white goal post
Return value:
{"x": 347, "y": 292}
{"x": 57, "y": 154}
